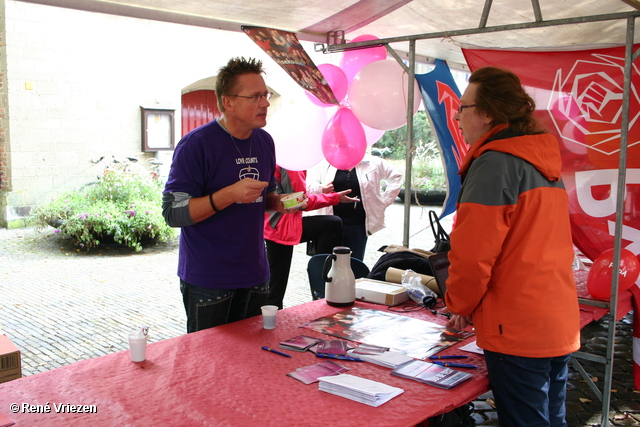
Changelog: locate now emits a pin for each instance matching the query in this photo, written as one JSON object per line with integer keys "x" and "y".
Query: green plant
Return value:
{"x": 427, "y": 169}
{"x": 122, "y": 206}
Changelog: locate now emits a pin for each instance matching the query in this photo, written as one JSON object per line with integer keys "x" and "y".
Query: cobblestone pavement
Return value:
{"x": 59, "y": 305}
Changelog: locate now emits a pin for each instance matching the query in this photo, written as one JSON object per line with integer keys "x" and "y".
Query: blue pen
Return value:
{"x": 455, "y": 365}
{"x": 276, "y": 351}
{"x": 453, "y": 356}
{"x": 339, "y": 357}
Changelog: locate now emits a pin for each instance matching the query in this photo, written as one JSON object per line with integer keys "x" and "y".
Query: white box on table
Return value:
{"x": 379, "y": 292}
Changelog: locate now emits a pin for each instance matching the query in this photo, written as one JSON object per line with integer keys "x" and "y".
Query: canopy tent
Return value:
{"x": 445, "y": 22}
{"x": 422, "y": 31}
{"x": 412, "y": 30}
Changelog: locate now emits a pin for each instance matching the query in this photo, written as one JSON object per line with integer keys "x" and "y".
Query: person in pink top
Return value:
{"x": 283, "y": 232}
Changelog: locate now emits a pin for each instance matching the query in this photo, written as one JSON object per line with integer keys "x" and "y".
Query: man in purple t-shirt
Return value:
{"x": 220, "y": 184}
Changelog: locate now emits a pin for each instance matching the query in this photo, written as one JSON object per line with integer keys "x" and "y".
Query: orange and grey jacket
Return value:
{"x": 511, "y": 249}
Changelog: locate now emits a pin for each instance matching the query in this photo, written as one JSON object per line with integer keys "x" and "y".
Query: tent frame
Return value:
{"x": 339, "y": 45}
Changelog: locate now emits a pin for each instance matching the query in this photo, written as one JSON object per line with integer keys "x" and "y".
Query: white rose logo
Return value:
{"x": 586, "y": 108}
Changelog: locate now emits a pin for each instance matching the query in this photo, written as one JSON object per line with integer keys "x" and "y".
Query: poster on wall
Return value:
{"x": 285, "y": 49}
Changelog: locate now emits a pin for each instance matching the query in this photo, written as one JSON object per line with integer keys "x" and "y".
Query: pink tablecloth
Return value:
{"x": 222, "y": 377}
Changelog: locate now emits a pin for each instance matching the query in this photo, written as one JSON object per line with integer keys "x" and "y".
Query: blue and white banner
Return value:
{"x": 442, "y": 97}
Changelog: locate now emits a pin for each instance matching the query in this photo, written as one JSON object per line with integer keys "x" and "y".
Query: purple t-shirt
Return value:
{"x": 225, "y": 251}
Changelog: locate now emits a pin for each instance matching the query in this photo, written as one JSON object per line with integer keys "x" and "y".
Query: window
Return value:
{"x": 157, "y": 130}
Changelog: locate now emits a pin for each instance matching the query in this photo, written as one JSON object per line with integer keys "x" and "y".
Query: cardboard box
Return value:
{"x": 10, "y": 364}
{"x": 379, "y": 292}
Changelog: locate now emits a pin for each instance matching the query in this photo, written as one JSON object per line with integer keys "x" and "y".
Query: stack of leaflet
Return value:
{"x": 388, "y": 359}
{"x": 310, "y": 374}
{"x": 372, "y": 393}
{"x": 432, "y": 374}
{"x": 299, "y": 343}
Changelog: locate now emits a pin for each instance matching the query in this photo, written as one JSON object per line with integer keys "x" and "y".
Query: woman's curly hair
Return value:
{"x": 501, "y": 95}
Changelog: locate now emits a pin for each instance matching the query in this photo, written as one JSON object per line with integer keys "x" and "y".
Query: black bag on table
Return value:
{"x": 403, "y": 260}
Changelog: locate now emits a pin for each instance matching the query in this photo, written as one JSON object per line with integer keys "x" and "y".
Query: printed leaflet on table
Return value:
{"x": 372, "y": 393}
{"x": 310, "y": 374}
{"x": 432, "y": 374}
{"x": 299, "y": 343}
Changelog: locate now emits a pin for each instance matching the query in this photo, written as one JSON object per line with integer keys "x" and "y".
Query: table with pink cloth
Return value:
{"x": 222, "y": 377}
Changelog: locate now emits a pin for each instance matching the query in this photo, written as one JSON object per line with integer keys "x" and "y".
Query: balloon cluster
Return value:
{"x": 372, "y": 92}
{"x": 601, "y": 273}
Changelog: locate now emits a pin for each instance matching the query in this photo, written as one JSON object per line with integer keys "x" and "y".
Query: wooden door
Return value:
{"x": 198, "y": 108}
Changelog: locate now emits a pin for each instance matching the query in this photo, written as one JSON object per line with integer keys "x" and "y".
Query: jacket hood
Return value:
{"x": 541, "y": 150}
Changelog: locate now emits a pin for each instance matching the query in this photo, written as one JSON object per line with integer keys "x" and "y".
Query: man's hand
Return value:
{"x": 247, "y": 190}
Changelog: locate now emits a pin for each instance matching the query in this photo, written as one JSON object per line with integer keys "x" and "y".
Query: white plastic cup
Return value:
{"x": 138, "y": 348}
{"x": 269, "y": 313}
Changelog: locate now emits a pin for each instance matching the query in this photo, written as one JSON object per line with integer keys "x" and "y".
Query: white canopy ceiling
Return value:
{"x": 441, "y": 26}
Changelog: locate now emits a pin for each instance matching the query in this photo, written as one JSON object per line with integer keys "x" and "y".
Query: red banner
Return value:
{"x": 579, "y": 98}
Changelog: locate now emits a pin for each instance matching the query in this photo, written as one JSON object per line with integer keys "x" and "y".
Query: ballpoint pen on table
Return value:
{"x": 454, "y": 365}
{"x": 339, "y": 357}
{"x": 276, "y": 351}
{"x": 452, "y": 356}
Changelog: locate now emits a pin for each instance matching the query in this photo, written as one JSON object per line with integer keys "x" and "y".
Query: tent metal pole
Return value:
{"x": 536, "y": 10}
{"x": 493, "y": 29}
{"x": 617, "y": 242}
{"x": 485, "y": 14}
{"x": 409, "y": 143}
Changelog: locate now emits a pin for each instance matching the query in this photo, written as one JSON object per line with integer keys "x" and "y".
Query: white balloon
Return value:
{"x": 378, "y": 95}
{"x": 297, "y": 133}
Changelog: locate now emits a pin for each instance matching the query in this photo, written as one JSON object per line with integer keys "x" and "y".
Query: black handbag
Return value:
{"x": 441, "y": 236}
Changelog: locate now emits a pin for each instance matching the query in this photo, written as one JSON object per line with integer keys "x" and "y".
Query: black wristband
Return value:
{"x": 212, "y": 205}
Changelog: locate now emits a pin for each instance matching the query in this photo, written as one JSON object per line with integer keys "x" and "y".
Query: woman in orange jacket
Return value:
{"x": 511, "y": 252}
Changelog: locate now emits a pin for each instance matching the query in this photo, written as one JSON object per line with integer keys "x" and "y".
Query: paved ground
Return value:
{"x": 60, "y": 305}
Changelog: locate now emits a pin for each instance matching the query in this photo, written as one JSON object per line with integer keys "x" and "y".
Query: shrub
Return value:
{"x": 427, "y": 169}
{"x": 123, "y": 207}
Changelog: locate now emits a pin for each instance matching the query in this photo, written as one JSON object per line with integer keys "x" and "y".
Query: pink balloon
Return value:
{"x": 337, "y": 81}
{"x": 378, "y": 95}
{"x": 297, "y": 134}
{"x": 354, "y": 60}
{"x": 372, "y": 135}
{"x": 343, "y": 141}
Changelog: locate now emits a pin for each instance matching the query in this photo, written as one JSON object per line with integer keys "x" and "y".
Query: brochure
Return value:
{"x": 388, "y": 359}
{"x": 310, "y": 374}
{"x": 333, "y": 347}
{"x": 432, "y": 374}
{"x": 369, "y": 349}
{"x": 372, "y": 393}
{"x": 299, "y": 343}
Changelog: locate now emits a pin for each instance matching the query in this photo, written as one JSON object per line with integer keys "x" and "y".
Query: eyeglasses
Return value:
{"x": 256, "y": 98}
{"x": 462, "y": 107}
